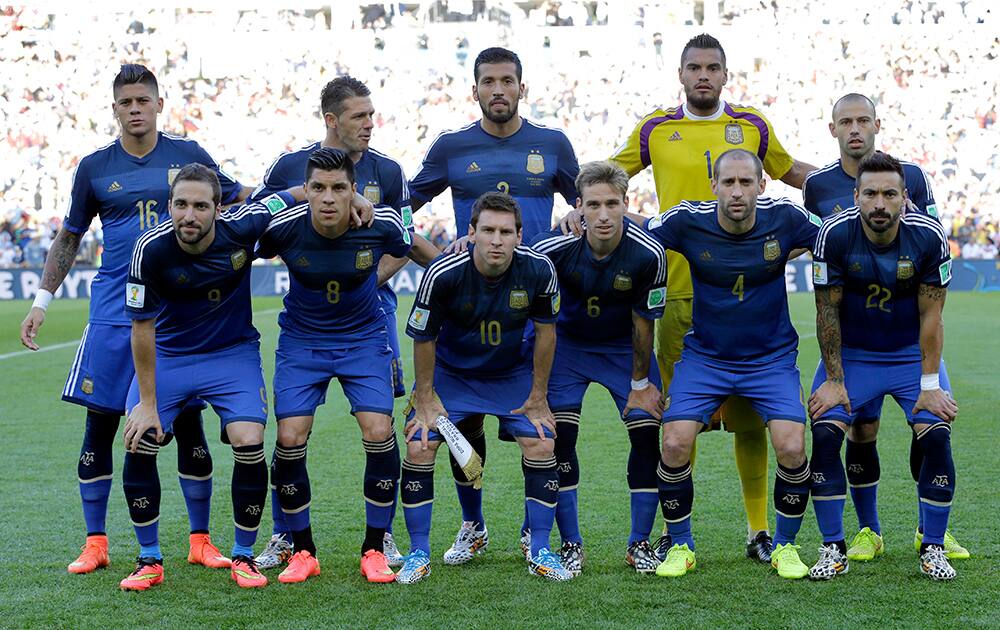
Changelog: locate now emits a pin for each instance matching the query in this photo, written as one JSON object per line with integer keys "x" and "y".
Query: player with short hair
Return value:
{"x": 348, "y": 115}
{"x": 612, "y": 281}
{"x": 505, "y": 152}
{"x": 188, "y": 295}
{"x": 741, "y": 343}
{"x": 881, "y": 277}
{"x": 470, "y": 358}
{"x": 126, "y": 184}
{"x": 826, "y": 192}
{"x": 333, "y": 326}
{"x": 681, "y": 143}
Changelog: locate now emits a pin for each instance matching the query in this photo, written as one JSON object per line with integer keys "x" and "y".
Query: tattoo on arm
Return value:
{"x": 640, "y": 348}
{"x": 60, "y": 259}
{"x": 931, "y": 292}
{"x": 828, "y": 330}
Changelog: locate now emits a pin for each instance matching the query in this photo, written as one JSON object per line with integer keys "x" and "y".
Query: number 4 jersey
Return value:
{"x": 130, "y": 195}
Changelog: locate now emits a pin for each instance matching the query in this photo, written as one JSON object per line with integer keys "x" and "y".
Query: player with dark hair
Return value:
{"x": 188, "y": 296}
{"x": 612, "y": 281}
{"x": 741, "y": 343}
{"x": 504, "y": 152}
{"x": 470, "y": 358}
{"x": 126, "y": 184}
{"x": 881, "y": 278}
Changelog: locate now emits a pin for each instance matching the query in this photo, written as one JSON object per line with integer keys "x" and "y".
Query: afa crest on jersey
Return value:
{"x": 172, "y": 175}
{"x": 238, "y": 258}
{"x": 622, "y": 282}
{"x": 536, "y": 163}
{"x": 373, "y": 193}
{"x": 772, "y": 250}
{"x": 518, "y": 299}
{"x": 734, "y": 134}
{"x": 904, "y": 269}
{"x": 364, "y": 259}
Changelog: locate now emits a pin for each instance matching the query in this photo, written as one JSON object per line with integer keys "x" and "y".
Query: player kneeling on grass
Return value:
{"x": 333, "y": 327}
{"x": 470, "y": 358}
{"x": 741, "y": 343}
{"x": 612, "y": 281}
{"x": 881, "y": 279}
{"x": 188, "y": 295}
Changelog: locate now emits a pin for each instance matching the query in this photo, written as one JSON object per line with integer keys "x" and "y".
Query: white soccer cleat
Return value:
{"x": 277, "y": 553}
{"x": 469, "y": 543}
{"x": 392, "y": 556}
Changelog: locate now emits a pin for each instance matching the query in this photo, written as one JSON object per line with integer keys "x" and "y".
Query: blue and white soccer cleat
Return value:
{"x": 416, "y": 566}
{"x": 469, "y": 543}
{"x": 548, "y": 565}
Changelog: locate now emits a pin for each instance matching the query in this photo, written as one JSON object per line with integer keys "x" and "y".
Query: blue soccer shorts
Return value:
{"x": 388, "y": 298}
{"x": 102, "y": 369}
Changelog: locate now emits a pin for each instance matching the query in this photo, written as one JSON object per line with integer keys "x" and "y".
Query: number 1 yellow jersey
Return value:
{"x": 682, "y": 149}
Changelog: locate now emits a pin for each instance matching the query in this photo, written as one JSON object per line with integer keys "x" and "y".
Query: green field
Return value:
{"x": 43, "y": 524}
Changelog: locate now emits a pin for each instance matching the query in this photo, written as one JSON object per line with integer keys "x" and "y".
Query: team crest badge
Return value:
{"x": 772, "y": 250}
{"x": 518, "y": 299}
{"x": 238, "y": 258}
{"x": 734, "y": 134}
{"x": 622, "y": 282}
{"x": 904, "y": 269}
{"x": 87, "y": 387}
{"x": 373, "y": 193}
{"x": 172, "y": 175}
{"x": 855, "y": 267}
{"x": 536, "y": 163}
{"x": 364, "y": 259}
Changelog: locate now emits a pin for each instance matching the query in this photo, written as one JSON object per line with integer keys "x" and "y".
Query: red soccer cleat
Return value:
{"x": 94, "y": 555}
{"x": 244, "y": 571}
{"x": 302, "y": 566}
{"x": 148, "y": 573}
{"x": 375, "y": 567}
{"x": 206, "y": 554}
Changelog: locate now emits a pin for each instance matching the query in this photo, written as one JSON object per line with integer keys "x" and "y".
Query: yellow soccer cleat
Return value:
{"x": 679, "y": 560}
{"x": 785, "y": 558}
{"x": 866, "y": 546}
{"x": 952, "y": 549}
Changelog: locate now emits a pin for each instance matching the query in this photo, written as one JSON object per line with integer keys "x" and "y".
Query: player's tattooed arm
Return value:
{"x": 833, "y": 391}
{"x": 642, "y": 396}
{"x": 60, "y": 259}
{"x": 930, "y": 305}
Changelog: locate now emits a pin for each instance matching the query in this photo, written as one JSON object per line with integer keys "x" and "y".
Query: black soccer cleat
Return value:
{"x": 661, "y": 546}
{"x": 760, "y": 547}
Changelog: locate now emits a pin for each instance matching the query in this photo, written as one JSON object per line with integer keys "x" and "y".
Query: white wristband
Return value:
{"x": 640, "y": 384}
{"x": 929, "y": 382}
{"x": 42, "y": 299}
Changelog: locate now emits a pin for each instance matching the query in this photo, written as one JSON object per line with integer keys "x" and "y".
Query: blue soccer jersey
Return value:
{"x": 531, "y": 166}
{"x": 740, "y": 311}
{"x": 333, "y": 298}
{"x": 129, "y": 194}
{"x": 600, "y": 295}
{"x": 479, "y": 323}
{"x": 201, "y": 303}
{"x": 878, "y": 309}
{"x": 830, "y": 190}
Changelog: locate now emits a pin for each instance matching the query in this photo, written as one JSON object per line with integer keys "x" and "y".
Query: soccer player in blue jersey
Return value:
{"x": 126, "y": 184}
{"x": 470, "y": 358}
{"x": 612, "y": 280}
{"x": 741, "y": 343}
{"x": 828, "y": 191}
{"x": 333, "y": 326}
{"x": 346, "y": 107}
{"x": 500, "y": 152}
{"x": 188, "y": 295}
{"x": 881, "y": 277}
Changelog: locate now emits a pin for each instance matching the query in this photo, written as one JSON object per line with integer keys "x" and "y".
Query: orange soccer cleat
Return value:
{"x": 375, "y": 567}
{"x": 302, "y": 566}
{"x": 206, "y": 554}
{"x": 94, "y": 555}
{"x": 244, "y": 571}
{"x": 148, "y": 573}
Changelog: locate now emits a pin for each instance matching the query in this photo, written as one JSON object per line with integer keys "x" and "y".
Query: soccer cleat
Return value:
{"x": 469, "y": 542}
{"x": 759, "y": 547}
{"x": 642, "y": 557}
{"x": 525, "y": 543}
{"x": 148, "y": 573}
{"x": 661, "y": 546}
{"x": 245, "y": 572}
{"x": 416, "y": 566}
{"x": 277, "y": 553}
{"x": 866, "y": 545}
{"x": 831, "y": 563}
{"x": 548, "y": 565}
{"x": 302, "y": 566}
{"x": 952, "y": 549}
{"x": 785, "y": 558}
{"x": 93, "y": 556}
{"x": 375, "y": 568}
{"x": 934, "y": 563}
{"x": 571, "y": 556}
{"x": 679, "y": 560}
{"x": 206, "y": 554}
{"x": 392, "y": 556}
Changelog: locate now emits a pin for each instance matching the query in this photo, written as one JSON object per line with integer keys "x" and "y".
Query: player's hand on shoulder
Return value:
{"x": 826, "y": 397}
{"x": 460, "y": 245}
{"x": 648, "y": 399}
{"x": 938, "y": 402}
{"x": 572, "y": 223}
{"x": 29, "y": 327}
{"x": 536, "y": 408}
{"x": 142, "y": 419}
{"x": 362, "y": 212}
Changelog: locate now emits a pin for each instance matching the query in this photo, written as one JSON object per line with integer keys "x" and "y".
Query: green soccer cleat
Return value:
{"x": 865, "y": 546}
{"x": 679, "y": 561}
{"x": 785, "y": 558}
{"x": 952, "y": 549}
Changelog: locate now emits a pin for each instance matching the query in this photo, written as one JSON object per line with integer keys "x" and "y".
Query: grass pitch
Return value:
{"x": 43, "y": 524}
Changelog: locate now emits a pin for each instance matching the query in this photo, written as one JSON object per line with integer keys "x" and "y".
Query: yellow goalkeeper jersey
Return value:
{"x": 682, "y": 149}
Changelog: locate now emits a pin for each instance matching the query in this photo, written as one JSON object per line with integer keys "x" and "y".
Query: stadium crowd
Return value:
{"x": 931, "y": 67}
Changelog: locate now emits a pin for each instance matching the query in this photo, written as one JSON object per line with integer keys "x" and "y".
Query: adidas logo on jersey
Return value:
{"x": 675, "y": 137}
{"x": 301, "y": 261}
{"x": 706, "y": 255}
{"x": 114, "y": 187}
{"x": 473, "y": 168}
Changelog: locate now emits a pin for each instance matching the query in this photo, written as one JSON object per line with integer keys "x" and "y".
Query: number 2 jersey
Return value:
{"x": 130, "y": 195}
{"x": 879, "y": 318}
{"x": 740, "y": 312}
{"x": 479, "y": 322}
